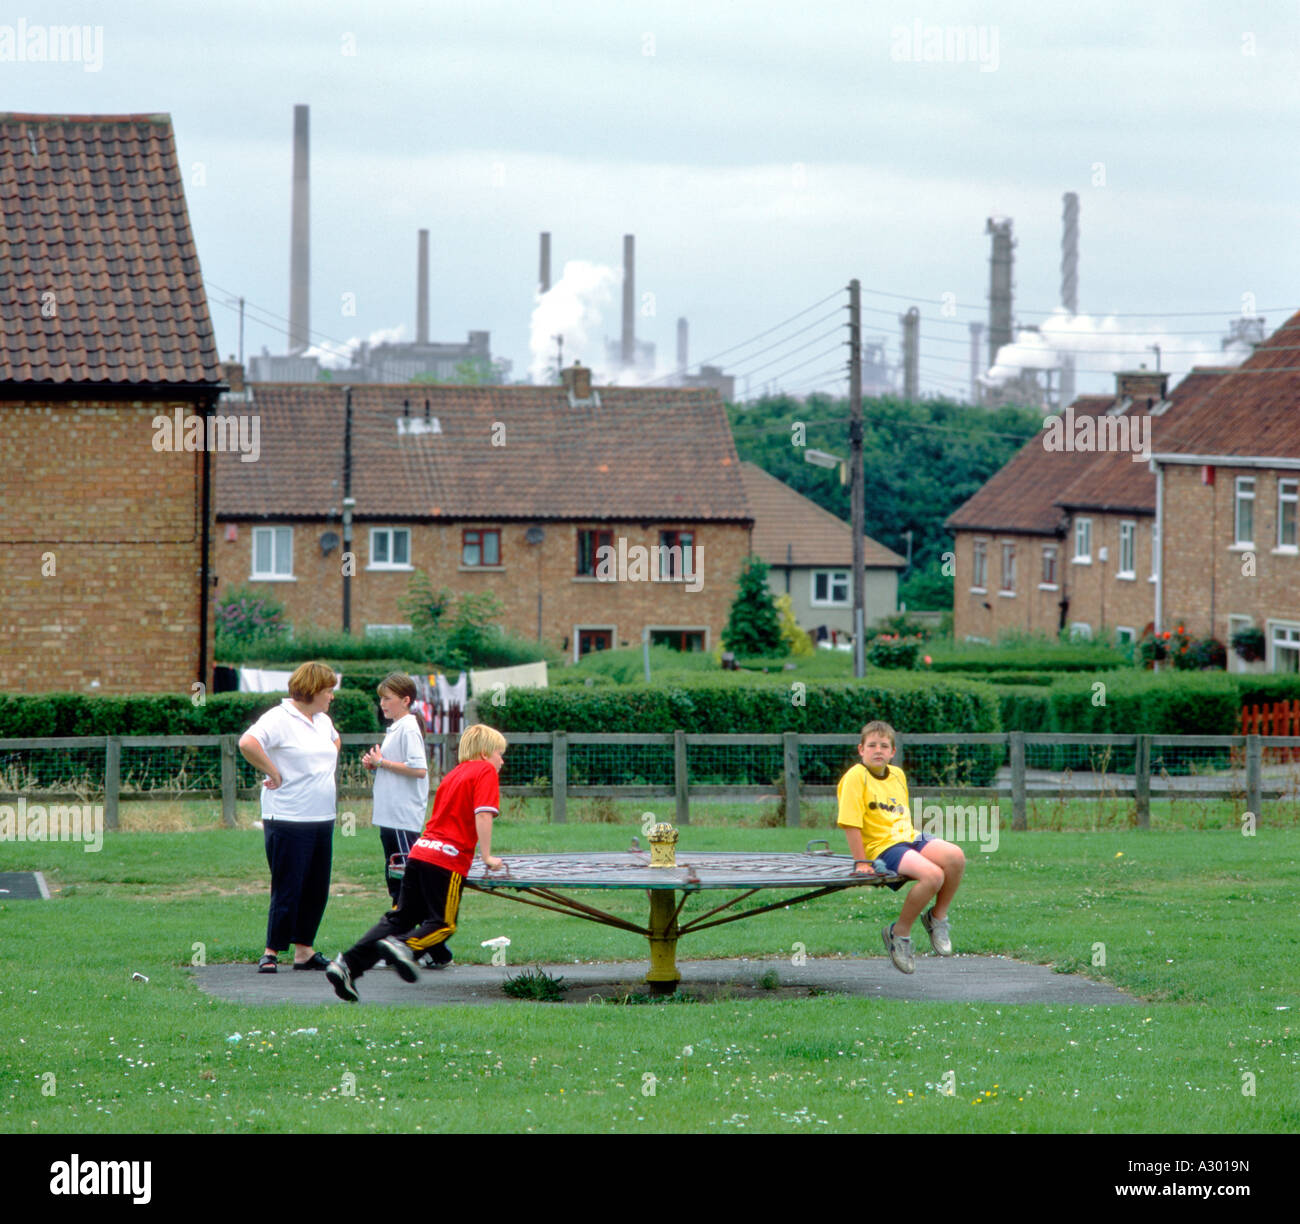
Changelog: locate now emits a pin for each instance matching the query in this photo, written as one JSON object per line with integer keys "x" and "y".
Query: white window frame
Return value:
{"x": 578, "y": 630}
{"x": 979, "y": 578}
{"x": 1082, "y": 537}
{"x": 1243, "y": 495}
{"x": 703, "y": 629}
{"x": 1008, "y": 587}
{"x": 380, "y": 630}
{"x": 1127, "y": 544}
{"x": 391, "y": 533}
{"x": 278, "y": 572}
{"x": 1289, "y": 634}
{"x": 1122, "y": 640}
{"x": 1288, "y": 495}
{"x": 1053, "y": 552}
{"x": 831, "y": 575}
{"x": 1081, "y": 630}
{"x": 1236, "y": 623}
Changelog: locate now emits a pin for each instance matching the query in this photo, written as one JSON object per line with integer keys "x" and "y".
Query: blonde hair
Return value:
{"x": 878, "y": 728}
{"x": 479, "y": 742}
{"x": 310, "y": 679}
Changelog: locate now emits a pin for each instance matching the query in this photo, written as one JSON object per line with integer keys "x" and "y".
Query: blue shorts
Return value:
{"x": 893, "y": 856}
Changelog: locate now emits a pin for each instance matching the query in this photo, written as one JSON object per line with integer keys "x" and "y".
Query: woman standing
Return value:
{"x": 296, "y": 746}
{"x": 401, "y": 769}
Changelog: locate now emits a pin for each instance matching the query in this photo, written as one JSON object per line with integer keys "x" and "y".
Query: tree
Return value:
{"x": 753, "y": 627}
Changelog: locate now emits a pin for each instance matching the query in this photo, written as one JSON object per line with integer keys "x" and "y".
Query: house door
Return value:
{"x": 594, "y": 639}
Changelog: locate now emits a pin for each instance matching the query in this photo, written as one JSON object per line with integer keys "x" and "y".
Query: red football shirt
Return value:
{"x": 450, "y": 837}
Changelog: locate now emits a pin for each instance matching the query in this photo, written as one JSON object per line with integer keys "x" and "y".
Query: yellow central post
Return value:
{"x": 664, "y": 974}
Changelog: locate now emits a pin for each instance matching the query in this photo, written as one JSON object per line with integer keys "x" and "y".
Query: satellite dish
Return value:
{"x": 328, "y": 543}
{"x": 534, "y": 535}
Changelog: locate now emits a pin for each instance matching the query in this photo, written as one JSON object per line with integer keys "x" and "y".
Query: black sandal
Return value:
{"x": 316, "y": 961}
{"x": 268, "y": 963}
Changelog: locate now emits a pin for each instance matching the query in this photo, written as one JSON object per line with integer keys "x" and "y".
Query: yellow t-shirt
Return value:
{"x": 877, "y": 806}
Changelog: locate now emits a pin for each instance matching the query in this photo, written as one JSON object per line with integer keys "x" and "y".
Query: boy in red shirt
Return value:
{"x": 425, "y": 914}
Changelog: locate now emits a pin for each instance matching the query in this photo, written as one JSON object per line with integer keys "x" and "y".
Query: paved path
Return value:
{"x": 959, "y": 979}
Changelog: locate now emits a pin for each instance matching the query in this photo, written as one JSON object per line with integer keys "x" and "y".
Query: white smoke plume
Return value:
{"x": 340, "y": 356}
{"x": 1108, "y": 345}
{"x": 572, "y": 308}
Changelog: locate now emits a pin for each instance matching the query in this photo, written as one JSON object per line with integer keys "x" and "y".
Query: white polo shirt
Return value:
{"x": 402, "y": 802}
{"x": 303, "y": 751}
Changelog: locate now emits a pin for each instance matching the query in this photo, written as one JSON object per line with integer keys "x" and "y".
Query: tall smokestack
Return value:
{"x": 999, "y": 285}
{"x": 628, "y": 353}
{"x": 976, "y": 337}
{"x": 422, "y": 292}
{"x": 911, "y": 322}
{"x": 1069, "y": 284}
{"x": 544, "y": 270}
{"x": 300, "y": 240}
{"x": 681, "y": 347}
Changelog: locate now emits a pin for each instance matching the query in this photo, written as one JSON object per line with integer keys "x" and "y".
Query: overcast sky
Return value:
{"x": 763, "y": 152}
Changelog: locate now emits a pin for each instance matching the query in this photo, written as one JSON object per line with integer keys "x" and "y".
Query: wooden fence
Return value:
{"x": 1244, "y": 781}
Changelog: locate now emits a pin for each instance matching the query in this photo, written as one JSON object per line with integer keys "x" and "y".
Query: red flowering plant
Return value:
{"x": 893, "y": 650}
{"x": 1157, "y": 647}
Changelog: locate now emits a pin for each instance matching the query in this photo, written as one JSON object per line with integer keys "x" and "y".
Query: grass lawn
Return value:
{"x": 1202, "y": 924}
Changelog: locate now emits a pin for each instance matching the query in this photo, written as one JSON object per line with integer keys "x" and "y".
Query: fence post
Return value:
{"x": 559, "y": 776}
{"x": 1142, "y": 781}
{"x": 681, "y": 782}
{"x": 1254, "y": 774}
{"x": 1019, "y": 818}
{"x": 112, "y": 779}
{"x": 790, "y": 743}
{"x": 229, "y": 746}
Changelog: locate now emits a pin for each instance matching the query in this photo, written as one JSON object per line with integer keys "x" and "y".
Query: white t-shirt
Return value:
{"x": 402, "y": 802}
{"x": 304, "y": 753}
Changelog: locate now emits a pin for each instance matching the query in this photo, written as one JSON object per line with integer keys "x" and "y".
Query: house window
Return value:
{"x": 830, "y": 588}
{"x": 1083, "y": 541}
{"x": 685, "y": 640}
{"x": 1049, "y": 566}
{"x": 481, "y": 547}
{"x": 676, "y": 556}
{"x": 1286, "y": 512}
{"x": 591, "y": 640}
{"x": 1124, "y": 636}
{"x": 1081, "y": 631}
{"x": 390, "y": 548}
{"x": 589, "y": 545}
{"x": 980, "y": 568}
{"x": 1285, "y": 640}
{"x": 1008, "y": 569}
{"x": 1244, "y": 533}
{"x": 386, "y": 630}
{"x": 1127, "y": 564}
{"x": 272, "y": 552}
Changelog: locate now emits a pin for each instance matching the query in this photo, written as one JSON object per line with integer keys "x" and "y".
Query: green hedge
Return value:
{"x": 1041, "y": 678}
{"x": 60, "y": 714}
{"x": 916, "y": 705}
{"x": 1044, "y": 658}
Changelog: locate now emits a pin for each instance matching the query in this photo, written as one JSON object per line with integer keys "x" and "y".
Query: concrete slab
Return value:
{"x": 23, "y": 886}
{"x": 958, "y": 979}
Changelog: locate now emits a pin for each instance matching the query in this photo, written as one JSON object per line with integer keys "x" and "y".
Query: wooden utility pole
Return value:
{"x": 855, "y": 476}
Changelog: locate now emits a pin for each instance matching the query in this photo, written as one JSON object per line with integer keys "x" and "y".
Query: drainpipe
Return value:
{"x": 1158, "y": 544}
{"x": 348, "y": 504}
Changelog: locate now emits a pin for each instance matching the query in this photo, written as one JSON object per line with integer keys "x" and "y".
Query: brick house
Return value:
{"x": 591, "y": 514}
{"x": 1061, "y": 539}
{"x": 1228, "y": 485}
{"x": 105, "y": 539}
{"x": 810, "y": 553}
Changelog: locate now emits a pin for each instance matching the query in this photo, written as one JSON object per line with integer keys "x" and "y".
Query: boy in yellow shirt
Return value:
{"x": 875, "y": 816}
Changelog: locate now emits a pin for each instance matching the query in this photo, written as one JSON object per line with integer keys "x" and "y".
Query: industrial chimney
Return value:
{"x": 422, "y": 291}
{"x": 544, "y": 270}
{"x": 681, "y": 347}
{"x": 999, "y": 285}
{"x": 628, "y": 350}
{"x": 300, "y": 239}
{"x": 911, "y": 322}
{"x": 1069, "y": 284}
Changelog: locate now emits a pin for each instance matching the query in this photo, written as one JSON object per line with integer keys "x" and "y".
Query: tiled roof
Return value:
{"x": 789, "y": 529}
{"x": 1252, "y": 411}
{"x": 501, "y": 453}
{"x": 99, "y": 278}
{"x": 1022, "y": 496}
{"x": 1114, "y": 482}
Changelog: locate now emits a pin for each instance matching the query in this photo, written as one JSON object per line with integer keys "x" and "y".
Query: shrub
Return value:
{"x": 1207, "y": 654}
{"x": 891, "y": 651}
{"x": 796, "y": 641}
{"x": 1249, "y": 643}
{"x": 245, "y": 616}
{"x": 753, "y": 628}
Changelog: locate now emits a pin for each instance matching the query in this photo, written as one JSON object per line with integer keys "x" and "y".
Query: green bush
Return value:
{"x": 888, "y": 650}
{"x": 1044, "y": 656}
{"x": 1024, "y": 707}
{"x": 245, "y": 616}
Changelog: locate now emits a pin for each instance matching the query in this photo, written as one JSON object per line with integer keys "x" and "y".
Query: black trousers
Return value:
{"x": 300, "y": 854}
{"x": 395, "y": 841}
{"x": 424, "y": 916}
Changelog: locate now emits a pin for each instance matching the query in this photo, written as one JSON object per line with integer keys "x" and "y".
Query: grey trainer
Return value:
{"x": 399, "y": 957}
{"x": 937, "y": 930}
{"x": 899, "y": 948}
{"x": 340, "y": 977}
